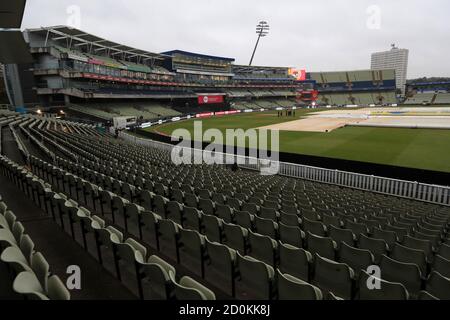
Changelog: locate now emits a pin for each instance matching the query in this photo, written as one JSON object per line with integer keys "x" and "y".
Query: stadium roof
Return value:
{"x": 196, "y": 55}
{"x": 11, "y": 13}
{"x": 98, "y": 44}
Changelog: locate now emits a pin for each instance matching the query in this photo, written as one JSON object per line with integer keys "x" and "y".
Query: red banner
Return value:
{"x": 210, "y": 99}
{"x": 224, "y": 113}
{"x": 204, "y": 115}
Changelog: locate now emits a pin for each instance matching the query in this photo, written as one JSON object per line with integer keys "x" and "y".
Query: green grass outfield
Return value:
{"x": 413, "y": 148}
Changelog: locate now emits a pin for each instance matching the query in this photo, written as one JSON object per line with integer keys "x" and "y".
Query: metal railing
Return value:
{"x": 394, "y": 187}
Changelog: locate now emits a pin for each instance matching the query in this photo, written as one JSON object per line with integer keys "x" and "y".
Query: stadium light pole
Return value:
{"x": 262, "y": 29}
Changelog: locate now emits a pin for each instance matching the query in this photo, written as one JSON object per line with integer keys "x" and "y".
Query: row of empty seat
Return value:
{"x": 289, "y": 228}
{"x": 31, "y": 271}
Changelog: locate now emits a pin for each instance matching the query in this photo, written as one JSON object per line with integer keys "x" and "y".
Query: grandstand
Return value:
{"x": 428, "y": 93}
{"x": 364, "y": 87}
{"x": 89, "y": 71}
{"x": 142, "y": 110}
{"x": 107, "y": 193}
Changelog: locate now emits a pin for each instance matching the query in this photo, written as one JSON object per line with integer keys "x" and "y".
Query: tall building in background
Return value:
{"x": 393, "y": 59}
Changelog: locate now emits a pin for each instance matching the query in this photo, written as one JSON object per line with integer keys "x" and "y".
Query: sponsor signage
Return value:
{"x": 224, "y": 113}
{"x": 298, "y": 74}
{"x": 204, "y": 115}
{"x": 207, "y": 99}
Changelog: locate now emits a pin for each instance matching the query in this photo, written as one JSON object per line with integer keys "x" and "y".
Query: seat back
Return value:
{"x": 56, "y": 289}
{"x": 373, "y": 288}
{"x": 295, "y": 261}
{"x": 257, "y": 276}
{"x": 333, "y": 277}
{"x": 41, "y": 268}
{"x": 292, "y": 288}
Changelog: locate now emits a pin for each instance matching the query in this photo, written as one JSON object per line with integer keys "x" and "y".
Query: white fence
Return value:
{"x": 400, "y": 188}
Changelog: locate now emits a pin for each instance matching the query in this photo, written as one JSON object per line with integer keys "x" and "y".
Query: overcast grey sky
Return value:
{"x": 318, "y": 35}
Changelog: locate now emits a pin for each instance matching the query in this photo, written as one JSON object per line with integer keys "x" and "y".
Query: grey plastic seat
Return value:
{"x": 14, "y": 257}
{"x": 357, "y": 259}
{"x": 291, "y": 220}
{"x": 234, "y": 203}
{"x": 236, "y": 237}
{"x": 341, "y": 236}
{"x": 28, "y": 284}
{"x": 266, "y": 227}
{"x": 191, "y": 200}
{"x": 189, "y": 289}
{"x": 7, "y": 238}
{"x": 435, "y": 239}
{"x": 295, "y": 261}
{"x": 388, "y": 236}
{"x": 329, "y": 220}
{"x": 257, "y": 277}
{"x": 407, "y": 274}
{"x": 156, "y": 271}
{"x": 3, "y": 207}
{"x": 177, "y": 195}
{"x": 213, "y": 228}
{"x": 269, "y": 213}
{"x": 292, "y": 288}
{"x": 334, "y": 277}
{"x": 160, "y": 189}
{"x": 263, "y": 248}
{"x": 222, "y": 264}
{"x": 10, "y": 218}
{"x": 386, "y": 291}
{"x": 244, "y": 219}
{"x": 408, "y": 255}
{"x": 357, "y": 228}
{"x": 325, "y": 247}
{"x": 207, "y": 206}
{"x": 252, "y": 208}
{"x": 174, "y": 212}
{"x": 225, "y": 213}
{"x": 132, "y": 254}
{"x": 425, "y": 296}
{"x": 150, "y": 226}
{"x": 106, "y": 238}
{"x": 219, "y": 198}
{"x": 444, "y": 251}
{"x": 291, "y": 235}
{"x": 159, "y": 205}
{"x": 289, "y": 210}
{"x": 418, "y": 244}
{"x": 40, "y": 268}
{"x": 377, "y": 247}
{"x": 315, "y": 227}
{"x": 441, "y": 265}
{"x": 332, "y": 297}
{"x": 192, "y": 219}
{"x": 118, "y": 208}
{"x": 438, "y": 286}
{"x": 192, "y": 250}
{"x": 146, "y": 199}
{"x": 169, "y": 238}
{"x": 309, "y": 214}
{"x": 399, "y": 231}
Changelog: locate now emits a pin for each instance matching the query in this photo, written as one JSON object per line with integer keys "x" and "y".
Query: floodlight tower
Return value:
{"x": 262, "y": 29}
